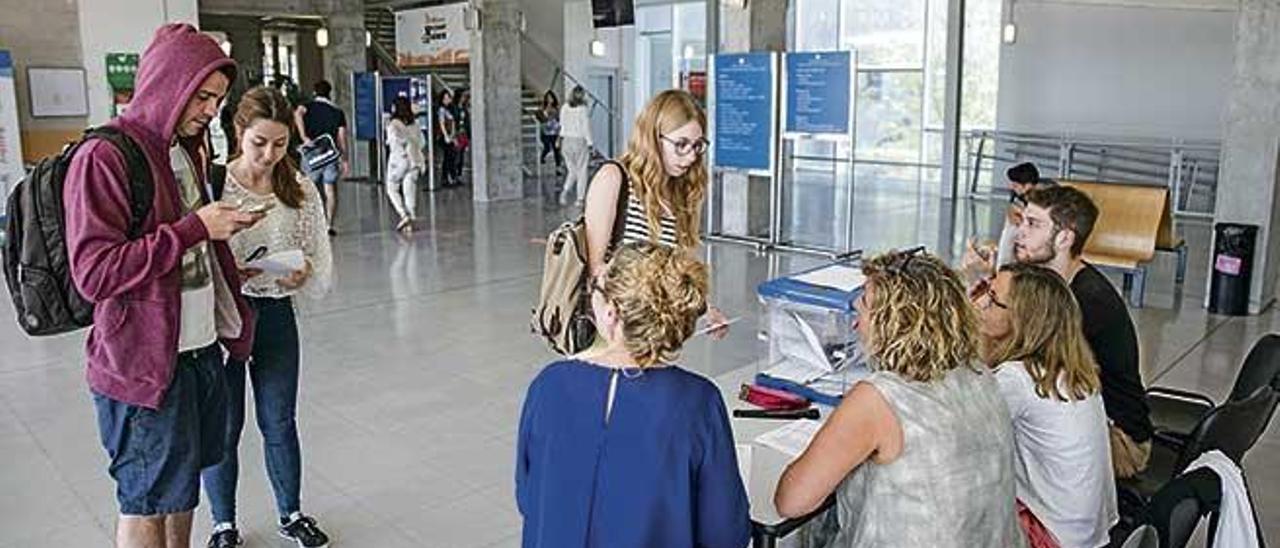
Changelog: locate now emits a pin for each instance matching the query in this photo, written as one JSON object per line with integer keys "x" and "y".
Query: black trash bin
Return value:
{"x": 1233, "y": 246}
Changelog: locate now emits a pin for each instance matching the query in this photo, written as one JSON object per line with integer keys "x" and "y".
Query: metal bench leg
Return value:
{"x": 1139, "y": 286}
{"x": 1181, "y": 274}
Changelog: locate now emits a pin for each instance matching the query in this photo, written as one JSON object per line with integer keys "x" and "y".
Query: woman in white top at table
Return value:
{"x": 264, "y": 177}
{"x": 1032, "y": 337}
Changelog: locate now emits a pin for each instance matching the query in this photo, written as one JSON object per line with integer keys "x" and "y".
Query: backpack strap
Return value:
{"x": 141, "y": 187}
{"x": 620, "y": 213}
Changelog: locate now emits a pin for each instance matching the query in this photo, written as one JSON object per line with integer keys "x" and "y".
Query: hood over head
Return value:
{"x": 172, "y": 68}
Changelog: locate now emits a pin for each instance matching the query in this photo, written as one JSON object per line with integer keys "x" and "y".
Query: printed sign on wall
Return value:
{"x": 431, "y": 36}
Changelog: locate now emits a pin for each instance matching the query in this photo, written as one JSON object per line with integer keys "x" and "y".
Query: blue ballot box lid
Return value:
{"x": 793, "y": 288}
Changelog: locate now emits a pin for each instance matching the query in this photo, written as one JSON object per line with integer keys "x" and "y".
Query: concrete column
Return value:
{"x": 496, "y": 157}
{"x": 346, "y": 53}
{"x": 762, "y": 26}
{"x": 1250, "y": 172}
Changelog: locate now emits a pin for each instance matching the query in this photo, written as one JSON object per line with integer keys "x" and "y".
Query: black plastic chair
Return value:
{"x": 1232, "y": 428}
{"x": 1177, "y": 508}
{"x": 1174, "y": 413}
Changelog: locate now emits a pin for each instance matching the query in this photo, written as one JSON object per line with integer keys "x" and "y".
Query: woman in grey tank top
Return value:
{"x": 920, "y": 453}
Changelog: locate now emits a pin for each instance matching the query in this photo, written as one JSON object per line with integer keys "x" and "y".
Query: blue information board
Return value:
{"x": 365, "y": 92}
{"x": 818, "y": 92}
{"x": 392, "y": 87}
{"x": 744, "y": 89}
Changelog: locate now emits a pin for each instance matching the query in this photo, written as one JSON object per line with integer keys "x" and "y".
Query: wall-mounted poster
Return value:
{"x": 57, "y": 92}
{"x": 122, "y": 68}
{"x": 435, "y": 35}
{"x": 11, "y": 170}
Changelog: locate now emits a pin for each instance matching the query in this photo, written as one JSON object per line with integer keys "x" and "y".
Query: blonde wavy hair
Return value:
{"x": 1047, "y": 335}
{"x": 921, "y": 323}
{"x": 667, "y": 112}
{"x": 659, "y": 294}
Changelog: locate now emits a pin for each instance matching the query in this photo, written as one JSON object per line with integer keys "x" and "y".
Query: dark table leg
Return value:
{"x": 761, "y": 539}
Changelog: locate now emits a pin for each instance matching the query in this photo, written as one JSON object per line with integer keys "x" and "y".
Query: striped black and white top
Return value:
{"x": 636, "y": 228}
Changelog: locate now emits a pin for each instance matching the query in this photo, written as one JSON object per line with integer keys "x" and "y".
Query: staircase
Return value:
{"x": 381, "y": 24}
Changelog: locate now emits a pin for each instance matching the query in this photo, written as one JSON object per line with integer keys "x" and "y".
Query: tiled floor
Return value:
{"x": 415, "y": 366}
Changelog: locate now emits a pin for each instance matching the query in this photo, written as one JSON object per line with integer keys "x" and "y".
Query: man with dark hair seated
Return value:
{"x": 1056, "y": 223}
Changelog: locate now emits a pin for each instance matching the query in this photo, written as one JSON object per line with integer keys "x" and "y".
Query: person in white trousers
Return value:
{"x": 575, "y": 132}
{"x": 405, "y": 162}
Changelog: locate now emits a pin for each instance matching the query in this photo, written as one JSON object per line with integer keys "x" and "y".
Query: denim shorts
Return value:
{"x": 327, "y": 175}
{"x": 157, "y": 454}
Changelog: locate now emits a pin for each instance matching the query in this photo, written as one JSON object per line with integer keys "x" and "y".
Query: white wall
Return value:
{"x": 620, "y": 57}
{"x": 1149, "y": 68}
{"x": 121, "y": 26}
{"x": 545, "y": 25}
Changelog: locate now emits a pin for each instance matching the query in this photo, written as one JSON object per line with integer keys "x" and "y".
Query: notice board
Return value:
{"x": 365, "y": 96}
{"x": 745, "y": 110}
{"x": 818, "y": 92}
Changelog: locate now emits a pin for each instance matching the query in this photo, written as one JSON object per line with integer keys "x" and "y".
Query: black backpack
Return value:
{"x": 36, "y": 266}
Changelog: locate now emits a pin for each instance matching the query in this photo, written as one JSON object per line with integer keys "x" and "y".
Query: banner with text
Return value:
{"x": 431, "y": 36}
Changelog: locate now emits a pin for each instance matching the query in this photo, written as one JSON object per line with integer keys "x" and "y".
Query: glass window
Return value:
{"x": 820, "y": 24}
{"x": 885, "y": 33}
{"x": 888, "y": 115}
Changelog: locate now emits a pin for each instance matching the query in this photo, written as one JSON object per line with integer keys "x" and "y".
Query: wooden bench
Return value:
{"x": 1134, "y": 222}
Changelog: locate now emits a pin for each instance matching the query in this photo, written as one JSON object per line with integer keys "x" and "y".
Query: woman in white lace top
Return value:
{"x": 285, "y": 254}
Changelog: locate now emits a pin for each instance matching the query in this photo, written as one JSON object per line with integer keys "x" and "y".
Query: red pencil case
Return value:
{"x": 770, "y": 398}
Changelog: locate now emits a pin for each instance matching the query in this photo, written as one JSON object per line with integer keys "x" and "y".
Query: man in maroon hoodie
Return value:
{"x": 166, "y": 300}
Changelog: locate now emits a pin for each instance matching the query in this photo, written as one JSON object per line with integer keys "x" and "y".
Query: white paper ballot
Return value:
{"x": 283, "y": 263}
{"x": 836, "y": 276}
{"x": 791, "y": 439}
{"x": 799, "y": 343}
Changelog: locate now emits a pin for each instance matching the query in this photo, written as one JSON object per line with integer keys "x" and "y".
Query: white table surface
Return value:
{"x": 767, "y": 463}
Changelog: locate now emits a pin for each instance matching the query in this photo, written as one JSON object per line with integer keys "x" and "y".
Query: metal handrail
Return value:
{"x": 559, "y": 70}
{"x": 385, "y": 56}
{"x": 1178, "y": 164}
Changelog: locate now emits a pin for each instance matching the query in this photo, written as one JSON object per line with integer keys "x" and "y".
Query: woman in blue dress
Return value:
{"x": 619, "y": 447}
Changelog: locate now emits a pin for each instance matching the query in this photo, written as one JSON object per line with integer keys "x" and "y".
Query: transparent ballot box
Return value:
{"x": 809, "y": 343}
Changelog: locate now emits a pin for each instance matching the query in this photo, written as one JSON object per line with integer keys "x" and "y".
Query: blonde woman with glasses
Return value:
{"x": 1031, "y": 332}
{"x": 662, "y": 177}
{"x": 619, "y": 446}
{"x": 920, "y": 453}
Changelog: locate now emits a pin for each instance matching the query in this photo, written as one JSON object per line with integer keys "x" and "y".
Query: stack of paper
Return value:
{"x": 836, "y": 276}
{"x": 799, "y": 345}
{"x": 791, "y": 439}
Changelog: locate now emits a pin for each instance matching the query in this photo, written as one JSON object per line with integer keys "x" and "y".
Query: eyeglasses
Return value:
{"x": 685, "y": 147}
{"x": 992, "y": 300}
{"x": 901, "y": 260}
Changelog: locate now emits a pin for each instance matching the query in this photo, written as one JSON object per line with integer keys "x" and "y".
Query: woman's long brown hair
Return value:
{"x": 1047, "y": 335}
{"x": 651, "y": 186}
{"x": 267, "y": 103}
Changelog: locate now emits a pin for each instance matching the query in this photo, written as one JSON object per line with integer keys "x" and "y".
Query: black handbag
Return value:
{"x": 319, "y": 153}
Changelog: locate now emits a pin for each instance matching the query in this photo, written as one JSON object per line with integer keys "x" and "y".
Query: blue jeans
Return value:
{"x": 274, "y": 373}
